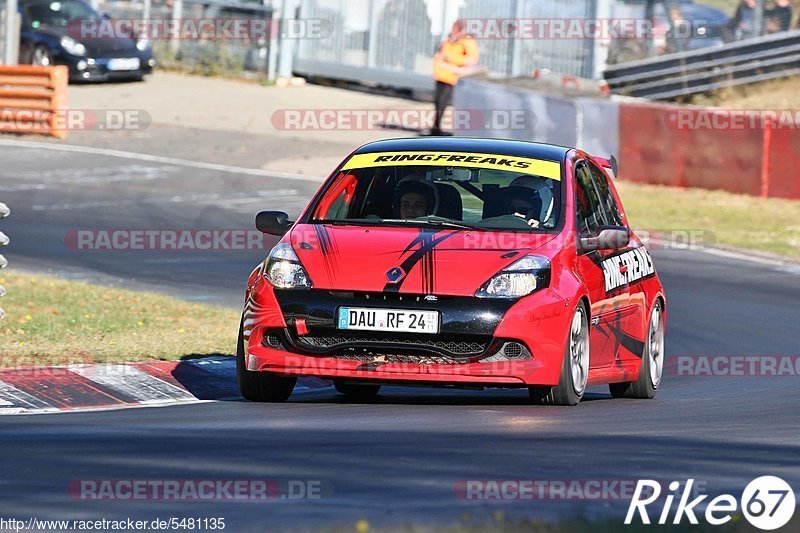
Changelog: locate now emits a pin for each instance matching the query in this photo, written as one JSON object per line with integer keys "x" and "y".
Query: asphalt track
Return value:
{"x": 397, "y": 460}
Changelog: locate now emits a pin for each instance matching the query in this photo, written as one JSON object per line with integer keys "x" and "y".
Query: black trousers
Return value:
{"x": 442, "y": 98}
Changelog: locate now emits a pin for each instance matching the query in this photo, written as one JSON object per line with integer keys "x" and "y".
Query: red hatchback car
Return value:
{"x": 456, "y": 262}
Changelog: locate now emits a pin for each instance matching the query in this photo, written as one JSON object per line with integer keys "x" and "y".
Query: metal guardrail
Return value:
{"x": 699, "y": 71}
{"x": 4, "y": 212}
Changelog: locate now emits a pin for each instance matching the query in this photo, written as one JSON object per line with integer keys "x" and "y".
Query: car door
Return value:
{"x": 593, "y": 212}
{"x": 629, "y": 304}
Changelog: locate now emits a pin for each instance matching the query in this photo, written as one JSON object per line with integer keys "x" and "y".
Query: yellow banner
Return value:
{"x": 521, "y": 165}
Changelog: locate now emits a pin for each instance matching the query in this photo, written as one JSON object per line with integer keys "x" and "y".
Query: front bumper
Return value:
{"x": 539, "y": 322}
{"x": 96, "y": 70}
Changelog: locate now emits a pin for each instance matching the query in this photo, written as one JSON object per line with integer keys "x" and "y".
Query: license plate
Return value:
{"x": 123, "y": 63}
{"x": 396, "y": 320}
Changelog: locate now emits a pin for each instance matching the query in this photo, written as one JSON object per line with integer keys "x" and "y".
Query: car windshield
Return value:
{"x": 468, "y": 191}
{"x": 58, "y": 14}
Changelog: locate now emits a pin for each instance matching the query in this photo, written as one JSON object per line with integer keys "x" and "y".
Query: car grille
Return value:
{"x": 439, "y": 345}
{"x": 401, "y": 359}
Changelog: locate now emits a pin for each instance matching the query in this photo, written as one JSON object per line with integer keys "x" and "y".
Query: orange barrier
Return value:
{"x": 735, "y": 151}
{"x": 33, "y": 99}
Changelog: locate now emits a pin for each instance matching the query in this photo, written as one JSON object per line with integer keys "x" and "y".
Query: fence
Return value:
{"x": 687, "y": 73}
{"x": 33, "y": 99}
{"x": 735, "y": 151}
{"x": 207, "y": 57}
{"x": 392, "y": 42}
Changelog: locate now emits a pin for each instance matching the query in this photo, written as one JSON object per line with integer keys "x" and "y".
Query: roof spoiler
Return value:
{"x": 609, "y": 163}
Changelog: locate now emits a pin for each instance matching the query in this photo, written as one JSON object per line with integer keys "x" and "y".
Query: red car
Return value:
{"x": 456, "y": 262}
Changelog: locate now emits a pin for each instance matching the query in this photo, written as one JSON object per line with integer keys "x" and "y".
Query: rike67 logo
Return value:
{"x": 767, "y": 502}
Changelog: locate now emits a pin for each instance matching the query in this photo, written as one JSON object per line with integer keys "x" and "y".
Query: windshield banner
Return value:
{"x": 522, "y": 165}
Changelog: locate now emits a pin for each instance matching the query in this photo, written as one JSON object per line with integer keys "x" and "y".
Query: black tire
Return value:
{"x": 356, "y": 390}
{"x": 644, "y": 387}
{"x": 566, "y": 392}
{"x": 260, "y": 386}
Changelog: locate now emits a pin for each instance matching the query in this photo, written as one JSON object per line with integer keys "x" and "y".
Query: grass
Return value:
{"x": 502, "y": 523}
{"x": 53, "y": 321}
{"x": 774, "y": 95}
{"x": 729, "y": 220}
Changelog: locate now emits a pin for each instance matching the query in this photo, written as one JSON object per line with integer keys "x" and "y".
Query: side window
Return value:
{"x": 590, "y": 211}
{"x": 613, "y": 214}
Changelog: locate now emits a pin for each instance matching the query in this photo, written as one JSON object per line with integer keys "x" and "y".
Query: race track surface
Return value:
{"x": 396, "y": 460}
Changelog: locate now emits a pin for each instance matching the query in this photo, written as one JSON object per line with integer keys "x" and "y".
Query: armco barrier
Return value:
{"x": 783, "y": 165}
{"x": 655, "y": 149}
{"x": 32, "y": 99}
{"x": 568, "y": 120}
{"x": 654, "y": 143}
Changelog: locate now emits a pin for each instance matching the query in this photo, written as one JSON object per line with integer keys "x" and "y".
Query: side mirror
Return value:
{"x": 609, "y": 238}
{"x": 273, "y": 222}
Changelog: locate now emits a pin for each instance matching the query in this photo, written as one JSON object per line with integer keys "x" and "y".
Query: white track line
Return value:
{"x": 158, "y": 159}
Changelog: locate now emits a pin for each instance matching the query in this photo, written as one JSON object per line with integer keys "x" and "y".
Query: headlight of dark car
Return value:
{"x": 72, "y": 46}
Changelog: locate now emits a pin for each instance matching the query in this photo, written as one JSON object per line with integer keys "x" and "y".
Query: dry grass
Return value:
{"x": 53, "y": 321}
{"x": 726, "y": 219}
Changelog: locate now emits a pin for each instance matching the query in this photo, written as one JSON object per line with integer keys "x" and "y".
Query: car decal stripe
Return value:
{"x": 427, "y": 241}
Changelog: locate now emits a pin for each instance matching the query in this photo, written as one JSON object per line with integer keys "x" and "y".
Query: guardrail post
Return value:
{"x": 11, "y": 34}
{"x": 4, "y": 212}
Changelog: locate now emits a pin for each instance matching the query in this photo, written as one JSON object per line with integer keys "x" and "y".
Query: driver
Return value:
{"x": 414, "y": 199}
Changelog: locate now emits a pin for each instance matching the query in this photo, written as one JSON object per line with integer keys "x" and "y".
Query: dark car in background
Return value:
{"x": 677, "y": 26}
{"x": 50, "y": 36}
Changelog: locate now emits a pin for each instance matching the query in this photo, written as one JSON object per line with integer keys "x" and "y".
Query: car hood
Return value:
{"x": 120, "y": 46}
{"x": 433, "y": 261}
{"x": 703, "y": 14}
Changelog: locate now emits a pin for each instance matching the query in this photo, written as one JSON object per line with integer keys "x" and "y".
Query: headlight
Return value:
{"x": 72, "y": 46}
{"x": 283, "y": 269}
{"x": 142, "y": 45}
{"x": 527, "y": 275}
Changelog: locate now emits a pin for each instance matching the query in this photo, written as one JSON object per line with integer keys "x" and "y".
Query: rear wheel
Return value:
{"x": 260, "y": 386}
{"x": 574, "y": 369}
{"x": 356, "y": 390}
{"x": 647, "y": 384}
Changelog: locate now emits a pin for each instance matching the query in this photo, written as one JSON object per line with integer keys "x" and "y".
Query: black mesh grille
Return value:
{"x": 448, "y": 345}
{"x": 401, "y": 359}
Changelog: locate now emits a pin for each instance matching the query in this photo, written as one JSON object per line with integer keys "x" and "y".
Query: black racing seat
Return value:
{"x": 450, "y": 204}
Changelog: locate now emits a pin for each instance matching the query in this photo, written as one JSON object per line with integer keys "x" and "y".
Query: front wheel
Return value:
{"x": 41, "y": 56}
{"x": 260, "y": 386}
{"x": 646, "y": 386}
{"x": 574, "y": 368}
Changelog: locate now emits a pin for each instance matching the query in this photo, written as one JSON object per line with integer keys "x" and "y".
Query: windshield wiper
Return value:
{"x": 439, "y": 222}
{"x": 435, "y": 221}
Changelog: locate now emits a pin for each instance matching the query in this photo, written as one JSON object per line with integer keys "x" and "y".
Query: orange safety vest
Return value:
{"x": 453, "y": 55}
